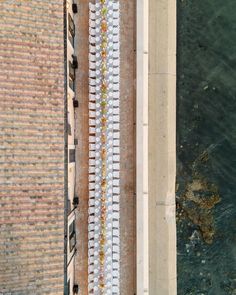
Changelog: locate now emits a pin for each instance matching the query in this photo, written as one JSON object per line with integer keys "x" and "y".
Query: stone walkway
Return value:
{"x": 127, "y": 125}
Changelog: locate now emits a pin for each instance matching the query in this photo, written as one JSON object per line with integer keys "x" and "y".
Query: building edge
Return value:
{"x": 65, "y": 147}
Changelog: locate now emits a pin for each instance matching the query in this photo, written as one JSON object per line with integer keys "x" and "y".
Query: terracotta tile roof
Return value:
{"x": 31, "y": 147}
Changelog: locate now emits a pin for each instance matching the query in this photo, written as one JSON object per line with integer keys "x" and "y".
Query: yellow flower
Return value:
{"x": 104, "y": 53}
{"x": 103, "y": 104}
{"x": 104, "y": 26}
{"x": 104, "y": 10}
{"x": 102, "y": 286}
{"x": 103, "y": 138}
{"x": 102, "y": 257}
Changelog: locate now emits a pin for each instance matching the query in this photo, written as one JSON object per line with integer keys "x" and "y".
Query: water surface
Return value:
{"x": 206, "y": 147}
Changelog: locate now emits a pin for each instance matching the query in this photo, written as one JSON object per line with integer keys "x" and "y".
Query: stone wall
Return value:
{"x": 31, "y": 147}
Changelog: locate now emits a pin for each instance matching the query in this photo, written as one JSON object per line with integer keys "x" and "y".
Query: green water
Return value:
{"x": 206, "y": 147}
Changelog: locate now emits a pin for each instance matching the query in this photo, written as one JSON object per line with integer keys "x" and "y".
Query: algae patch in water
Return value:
{"x": 196, "y": 204}
{"x": 197, "y": 200}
